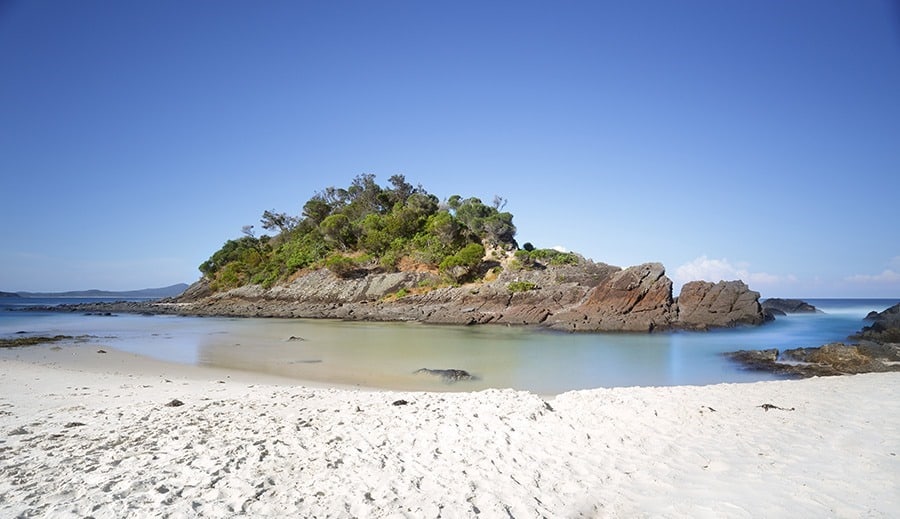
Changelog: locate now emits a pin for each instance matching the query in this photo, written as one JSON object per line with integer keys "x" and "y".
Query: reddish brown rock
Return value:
{"x": 703, "y": 305}
{"x": 636, "y": 299}
{"x": 586, "y": 296}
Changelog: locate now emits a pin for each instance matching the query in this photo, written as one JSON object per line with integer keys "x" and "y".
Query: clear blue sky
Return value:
{"x": 758, "y": 140}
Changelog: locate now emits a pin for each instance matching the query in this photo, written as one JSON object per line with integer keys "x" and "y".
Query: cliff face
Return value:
{"x": 585, "y": 297}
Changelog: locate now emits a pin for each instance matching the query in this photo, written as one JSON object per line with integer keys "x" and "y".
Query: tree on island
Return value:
{"x": 369, "y": 227}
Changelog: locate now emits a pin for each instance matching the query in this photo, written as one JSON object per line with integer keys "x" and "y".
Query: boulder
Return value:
{"x": 636, "y": 299}
{"x": 703, "y": 305}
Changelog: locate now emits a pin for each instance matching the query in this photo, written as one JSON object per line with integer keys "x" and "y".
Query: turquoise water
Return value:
{"x": 386, "y": 354}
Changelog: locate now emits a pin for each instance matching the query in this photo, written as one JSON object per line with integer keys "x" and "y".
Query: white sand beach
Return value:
{"x": 83, "y": 434}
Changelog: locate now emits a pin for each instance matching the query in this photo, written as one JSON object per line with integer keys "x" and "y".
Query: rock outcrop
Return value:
{"x": 878, "y": 350}
{"x": 885, "y": 327}
{"x": 831, "y": 359}
{"x": 588, "y": 296}
{"x": 703, "y": 305}
{"x": 636, "y": 299}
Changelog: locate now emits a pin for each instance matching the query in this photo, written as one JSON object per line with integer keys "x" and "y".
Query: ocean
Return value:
{"x": 386, "y": 355}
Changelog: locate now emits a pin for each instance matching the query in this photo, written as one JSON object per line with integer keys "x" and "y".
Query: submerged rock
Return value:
{"x": 448, "y": 375}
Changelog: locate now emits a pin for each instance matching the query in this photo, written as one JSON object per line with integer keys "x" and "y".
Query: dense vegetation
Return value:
{"x": 364, "y": 227}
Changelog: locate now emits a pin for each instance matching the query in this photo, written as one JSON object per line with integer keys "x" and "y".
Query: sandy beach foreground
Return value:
{"x": 79, "y": 442}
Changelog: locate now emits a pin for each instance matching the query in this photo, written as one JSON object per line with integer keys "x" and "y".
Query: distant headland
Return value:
{"x": 145, "y": 293}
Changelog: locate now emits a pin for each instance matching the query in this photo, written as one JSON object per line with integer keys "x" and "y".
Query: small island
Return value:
{"x": 398, "y": 253}
{"x": 777, "y": 306}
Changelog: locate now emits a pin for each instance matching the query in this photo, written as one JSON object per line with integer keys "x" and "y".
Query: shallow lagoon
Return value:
{"x": 386, "y": 355}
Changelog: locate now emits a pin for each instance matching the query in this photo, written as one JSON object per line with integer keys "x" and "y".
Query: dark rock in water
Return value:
{"x": 74, "y": 424}
{"x": 175, "y": 403}
{"x": 703, "y": 305}
{"x": 761, "y": 360}
{"x": 788, "y": 306}
{"x": 32, "y": 340}
{"x": 448, "y": 375}
{"x": 400, "y": 402}
{"x": 294, "y": 338}
{"x": 827, "y": 360}
{"x": 832, "y": 359}
{"x": 773, "y": 312}
{"x": 878, "y": 350}
{"x": 885, "y": 327}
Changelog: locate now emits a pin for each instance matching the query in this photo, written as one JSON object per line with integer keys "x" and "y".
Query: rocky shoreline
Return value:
{"x": 588, "y": 297}
{"x": 877, "y": 350}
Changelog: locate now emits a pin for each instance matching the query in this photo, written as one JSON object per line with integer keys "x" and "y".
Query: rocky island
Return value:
{"x": 776, "y": 306}
{"x": 397, "y": 253}
{"x": 585, "y": 296}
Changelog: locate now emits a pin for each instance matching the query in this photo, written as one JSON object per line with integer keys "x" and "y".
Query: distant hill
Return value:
{"x": 8, "y": 294}
{"x": 146, "y": 293}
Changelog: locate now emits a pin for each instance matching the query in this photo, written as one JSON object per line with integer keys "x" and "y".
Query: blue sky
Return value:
{"x": 758, "y": 140}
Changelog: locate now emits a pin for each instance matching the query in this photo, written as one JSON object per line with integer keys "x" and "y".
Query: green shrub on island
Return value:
{"x": 463, "y": 263}
{"x": 521, "y": 286}
{"x": 534, "y": 257}
{"x": 346, "y": 266}
{"x": 386, "y": 224}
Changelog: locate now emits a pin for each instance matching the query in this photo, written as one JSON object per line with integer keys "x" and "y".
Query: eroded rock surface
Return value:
{"x": 827, "y": 360}
{"x": 636, "y": 299}
{"x": 588, "y": 296}
{"x": 703, "y": 305}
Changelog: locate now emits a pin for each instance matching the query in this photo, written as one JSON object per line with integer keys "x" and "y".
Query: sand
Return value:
{"x": 96, "y": 438}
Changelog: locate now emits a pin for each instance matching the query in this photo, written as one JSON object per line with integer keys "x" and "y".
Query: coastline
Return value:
{"x": 82, "y": 438}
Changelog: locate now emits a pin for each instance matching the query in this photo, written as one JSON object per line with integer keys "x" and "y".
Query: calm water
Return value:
{"x": 387, "y": 354}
